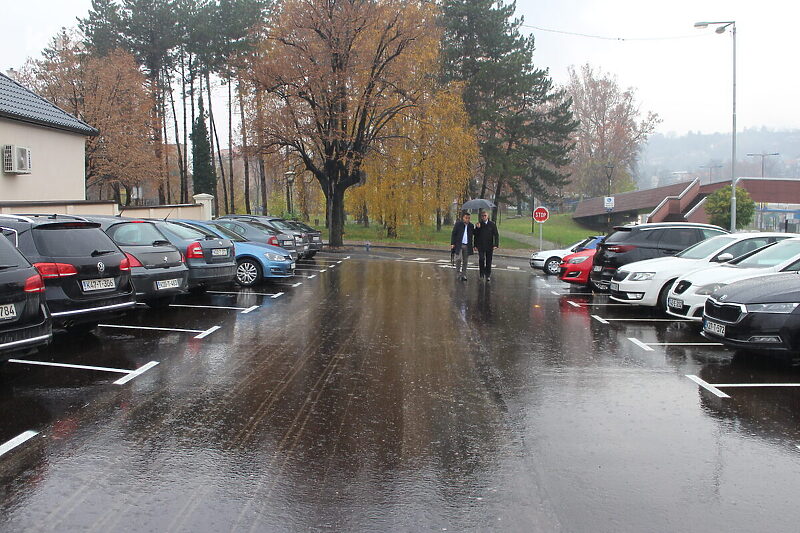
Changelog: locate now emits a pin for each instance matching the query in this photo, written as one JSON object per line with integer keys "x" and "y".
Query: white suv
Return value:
{"x": 688, "y": 295}
{"x": 647, "y": 282}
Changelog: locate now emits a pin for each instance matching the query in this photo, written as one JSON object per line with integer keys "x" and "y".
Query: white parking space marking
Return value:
{"x": 229, "y": 308}
{"x": 135, "y": 373}
{"x": 640, "y": 344}
{"x": 178, "y": 330}
{"x": 726, "y": 385}
{"x": 130, "y": 374}
{"x": 512, "y": 268}
{"x": 421, "y": 259}
{"x": 710, "y": 388}
{"x": 312, "y": 276}
{"x": 442, "y": 260}
{"x": 310, "y": 270}
{"x": 600, "y": 319}
{"x": 296, "y": 284}
{"x": 647, "y": 320}
{"x": 243, "y": 293}
{"x": 586, "y": 304}
{"x": 206, "y": 333}
{"x": 250, "y": 309}
{"x": 16, "y": 441}
{"x": 279, "y": 294}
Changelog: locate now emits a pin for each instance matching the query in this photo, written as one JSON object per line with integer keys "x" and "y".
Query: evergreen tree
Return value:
{"x": 204, "y": 178}
{"x": 523, "y": 123}
{"x": 102, "y": 27}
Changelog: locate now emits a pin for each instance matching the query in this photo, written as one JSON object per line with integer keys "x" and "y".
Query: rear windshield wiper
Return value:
{"x": 102, "y": 252}
{"x": 160, "y": 242}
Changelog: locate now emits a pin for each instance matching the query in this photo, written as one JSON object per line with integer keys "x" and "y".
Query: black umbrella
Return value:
{"x": 478, "y": 203}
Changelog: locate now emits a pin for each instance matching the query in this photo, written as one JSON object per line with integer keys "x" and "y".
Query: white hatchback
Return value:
{"x": 688, "y": 294}
{"x": 647, "y": 282}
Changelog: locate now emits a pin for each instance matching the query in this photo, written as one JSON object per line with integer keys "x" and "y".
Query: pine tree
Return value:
{"x": 523, "y": 123}
{"x": 102, "y": 27}
{"x": 204, "y": 178}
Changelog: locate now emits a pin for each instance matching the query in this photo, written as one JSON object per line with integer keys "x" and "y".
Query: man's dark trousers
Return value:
{"x": 485, "y": 261}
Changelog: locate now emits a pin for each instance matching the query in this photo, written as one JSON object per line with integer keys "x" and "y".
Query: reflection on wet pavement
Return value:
{"x": 386, "y": 395}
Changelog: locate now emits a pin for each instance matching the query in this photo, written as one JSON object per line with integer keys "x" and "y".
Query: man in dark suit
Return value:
{"x": 486, "y": 240}
{"x": 461, "y": 242}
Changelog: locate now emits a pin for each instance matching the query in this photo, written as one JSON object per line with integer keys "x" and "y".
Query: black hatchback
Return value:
{"x": 24, "y": 317}
{"x": 631, "y": 243}
{"x": 86, "y": 275}
{"x": 157, "y": 270}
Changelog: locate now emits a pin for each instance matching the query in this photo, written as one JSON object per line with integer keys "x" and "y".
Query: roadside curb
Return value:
{"x": 353, "y": 246}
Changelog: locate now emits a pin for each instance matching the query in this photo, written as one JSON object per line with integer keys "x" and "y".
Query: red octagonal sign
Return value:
{"x": 541, "y": 214}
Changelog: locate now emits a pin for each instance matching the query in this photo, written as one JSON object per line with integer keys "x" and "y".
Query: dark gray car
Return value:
{"x": 255, "y": 231}
{"x": 314, "y": 235}
{"x": 301, "y": 238}
{"x": 157, "y": 269}
{"x": 210, "y": 260}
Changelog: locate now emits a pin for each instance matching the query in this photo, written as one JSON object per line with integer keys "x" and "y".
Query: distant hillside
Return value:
{"x": 669, "y": 158}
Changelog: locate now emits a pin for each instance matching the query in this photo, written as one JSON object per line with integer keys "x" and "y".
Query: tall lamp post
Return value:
{"x": 289, "y": 183}
{"x": 609, "y": 168}
{"x": 721, "y": 27}
{"x": 763, "y": 156}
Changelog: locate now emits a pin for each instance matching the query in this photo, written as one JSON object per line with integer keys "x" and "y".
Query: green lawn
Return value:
{"x": 559, "y": 229}
{"x": 409, "y": 235}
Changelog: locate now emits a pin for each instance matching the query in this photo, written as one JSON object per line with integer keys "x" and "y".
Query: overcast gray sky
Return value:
{"x": 687, "y": 80}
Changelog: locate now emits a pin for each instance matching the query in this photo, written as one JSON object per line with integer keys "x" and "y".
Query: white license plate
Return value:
{"x": 713, "y": 327}
{"x": 8, "y": 312}
{"x": 217, "y": 252}
{"x": 98, "y": 284}
{"x": 614, "y": 286}
{"x": 167, "y": 284}
{"x": 674, "y": 303}
{"x": 292, "y": 266}
{"x": 597, "y": 268}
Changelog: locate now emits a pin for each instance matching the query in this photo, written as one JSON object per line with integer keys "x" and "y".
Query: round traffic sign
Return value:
{"x": 541, "y": 214}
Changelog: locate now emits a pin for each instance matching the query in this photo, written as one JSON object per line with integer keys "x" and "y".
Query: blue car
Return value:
{"x": 254, "y": 261}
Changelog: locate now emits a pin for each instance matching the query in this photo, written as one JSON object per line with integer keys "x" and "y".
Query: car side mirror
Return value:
{"x": 723, "y": 258}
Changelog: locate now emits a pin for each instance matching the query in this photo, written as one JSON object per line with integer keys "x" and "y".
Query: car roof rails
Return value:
{"x": 21, "y": 218}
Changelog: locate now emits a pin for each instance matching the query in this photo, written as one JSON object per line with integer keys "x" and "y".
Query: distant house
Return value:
{"x": 43, "y": 148}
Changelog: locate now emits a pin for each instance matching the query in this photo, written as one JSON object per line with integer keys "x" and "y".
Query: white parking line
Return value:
{"x": 209, "y": 307}
{"x": 442, "y": 260}
{"x": 648, "y": 345}
{"x": 296, "y": 284}
{"x": 600, "y": 319}
{"x": 242, "y": 293}
{"x": 640, "y": 344}
{"x": 310, "y": 270}
{"x": 206, "y": 333}
{"x": 279, "y": 294}
{"x": 586, "y": 304}
{"x": 725, "y": 385}
{"x": 138, "y": 372}
{"x": 573, "y": 304}
{"x": 121, "y": 326}
{"x": 16, "y": 441}
{"x": 710, "y": 388}
{"x": 421, "y": 259}
{"x": 647, "y": 319}
{"x": 250, "y": 309}
{"x": 312, "y": 276}
{"x": 130, "y": 374}
{"x": 512, "y": 268}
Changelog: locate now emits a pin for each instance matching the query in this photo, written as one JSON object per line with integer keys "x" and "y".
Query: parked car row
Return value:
{"x": 743, "y": 288}
{"x": 70, "y": 272}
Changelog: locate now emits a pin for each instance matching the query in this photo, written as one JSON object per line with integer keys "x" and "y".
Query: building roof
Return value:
{"x": 21, "y": 104}
{"x": 629, "y": 201}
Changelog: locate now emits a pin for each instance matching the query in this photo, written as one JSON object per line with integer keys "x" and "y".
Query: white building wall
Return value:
{"x": 58, "y": 170}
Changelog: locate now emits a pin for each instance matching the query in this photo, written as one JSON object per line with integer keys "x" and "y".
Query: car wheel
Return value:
{"x": 662, "y": 296}
{"x": 160, "y": 303}
{"x": 248, "y": 273}
{"x": 551, "y": 266}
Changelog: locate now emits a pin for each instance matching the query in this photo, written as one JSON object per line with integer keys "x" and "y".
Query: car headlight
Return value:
{"x": 706, "y": 290}
{"x": 535, "y": 255}
{"x": 274, "y": 257}
{"x": 576, "y": 260}
{"x": 782, "y": 308}
{"x": 641, "y": 276}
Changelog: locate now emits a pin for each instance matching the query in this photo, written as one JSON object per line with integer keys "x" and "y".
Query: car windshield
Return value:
{"x": 9, "y": 256}
{"x": 187, "y": 232}
{"x": 261, "y": 227}
{"x": 135, "y": 234}
{"x": 227, "y": 233}
{"x": 706, "y": 248}
{"x": 772, "y": 256}
{"x": 583, "y": 242}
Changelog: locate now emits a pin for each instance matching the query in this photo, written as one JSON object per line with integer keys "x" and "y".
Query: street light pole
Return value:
{"x": 763, "y": 155}
{"x": 289, "y": 182}
{"x": 722, "y": 26}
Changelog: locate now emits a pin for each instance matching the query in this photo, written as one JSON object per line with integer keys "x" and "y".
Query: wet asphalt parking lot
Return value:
{"x": 374, "y": 392}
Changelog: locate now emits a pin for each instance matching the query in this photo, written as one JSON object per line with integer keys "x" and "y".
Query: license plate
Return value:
{"x": 597, "y": 268}
{"x": 614, "y": 286}
{"x": 8, "y": 312}
{"x": 292, "y": 265}
{"x": 167, "y": 284}
{"x": 217, "y": 252}
{"x": 674, "y": 303}
{"x": 98, "y": 284}
{"x": 713, "y": 327}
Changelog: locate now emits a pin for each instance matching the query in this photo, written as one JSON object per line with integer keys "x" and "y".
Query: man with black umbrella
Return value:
{"x": 486, "y": 240}
{"x": 461, "y": 242}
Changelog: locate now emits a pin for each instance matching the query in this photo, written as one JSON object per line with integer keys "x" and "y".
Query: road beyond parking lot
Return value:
{"x": 378, "y": 393}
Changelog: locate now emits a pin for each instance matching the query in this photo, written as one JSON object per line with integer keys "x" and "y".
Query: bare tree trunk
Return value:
{"x": 496, "y": 199}
{"x": 245, "y": 151}
{"x": 230, "y": 144}
{"x": 260, "y": 143}
{"x": 185, "y": 169}
{"x": 183, "y": 194}
{"x": 166, "y": 135}
{"x": 211, "y": 141}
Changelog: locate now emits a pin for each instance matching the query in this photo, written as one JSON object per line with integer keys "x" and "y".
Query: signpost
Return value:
{"x": 608, "y": 203}
{"x": 540, "y": 215}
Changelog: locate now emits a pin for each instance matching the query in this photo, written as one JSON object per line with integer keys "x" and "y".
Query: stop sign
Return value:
{"x": 541, "y": 214}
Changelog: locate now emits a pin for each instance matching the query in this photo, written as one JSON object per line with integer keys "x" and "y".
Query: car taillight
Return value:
{"x": 194, "y": 251}
{"x": 620, "y": 248}
{"x": 273, "y": 241}
{"x": 34, "y": 283}
{"x": 127, "y": 262}
{"x": 56, "y": 270}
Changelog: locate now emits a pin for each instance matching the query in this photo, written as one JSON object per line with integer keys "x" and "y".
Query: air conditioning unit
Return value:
{"x": 16, "y": 159}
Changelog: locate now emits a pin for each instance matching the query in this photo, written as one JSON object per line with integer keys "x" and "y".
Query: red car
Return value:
{"x": 575, "y": 268}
